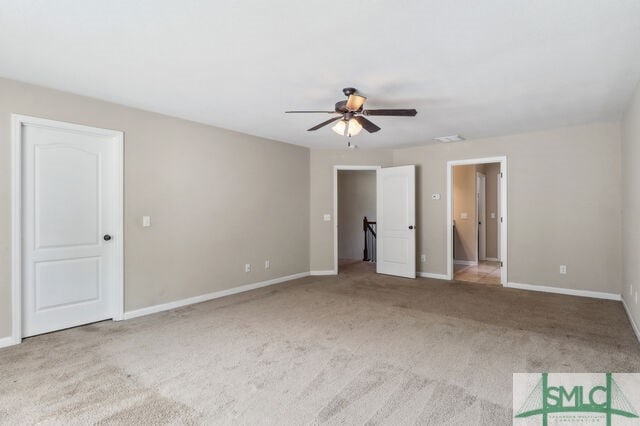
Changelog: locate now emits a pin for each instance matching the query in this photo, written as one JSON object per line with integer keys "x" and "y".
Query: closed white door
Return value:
{"x": 396, "y": 235}
{"x": 70, "y": 225}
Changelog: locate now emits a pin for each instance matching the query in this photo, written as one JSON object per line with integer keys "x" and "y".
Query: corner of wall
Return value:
{"x": 630, "y": 182}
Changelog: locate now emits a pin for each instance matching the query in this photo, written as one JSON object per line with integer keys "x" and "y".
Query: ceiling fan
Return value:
{"x": 351, "y": 118}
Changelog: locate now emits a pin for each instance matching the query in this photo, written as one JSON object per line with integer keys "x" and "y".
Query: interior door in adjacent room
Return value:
{"x": 481, "y": 201}
{"x": 396, "y": 235}
{"x": 71, "y": 222}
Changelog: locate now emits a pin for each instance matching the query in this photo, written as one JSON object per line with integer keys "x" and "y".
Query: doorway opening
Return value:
{"x": 355, "y": 217}
{"x": 477, "y": 220}
{"x": 395, "y": 215}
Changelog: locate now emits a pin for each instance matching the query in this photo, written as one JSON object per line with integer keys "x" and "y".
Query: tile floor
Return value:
{"x": 485, "y": 272}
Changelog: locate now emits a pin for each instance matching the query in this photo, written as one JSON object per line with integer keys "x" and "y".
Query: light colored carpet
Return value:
{"x": 353, "y": 349}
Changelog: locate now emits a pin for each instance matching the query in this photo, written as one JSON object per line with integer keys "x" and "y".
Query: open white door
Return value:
{"x": 396, "y": 209}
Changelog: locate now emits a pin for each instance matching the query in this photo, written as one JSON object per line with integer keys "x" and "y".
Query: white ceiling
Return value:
{"x": 475, "y": 68}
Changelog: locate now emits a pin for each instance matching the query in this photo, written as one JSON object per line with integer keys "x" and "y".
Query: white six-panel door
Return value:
{"x": 70, "y": 224}
{"x": 396, "y": 236}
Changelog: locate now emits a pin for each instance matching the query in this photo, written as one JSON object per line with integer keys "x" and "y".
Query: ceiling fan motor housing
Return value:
{"x": 341, "y": 107}
{"x": 348, "y": 91}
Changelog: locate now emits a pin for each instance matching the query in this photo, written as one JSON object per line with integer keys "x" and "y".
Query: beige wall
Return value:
{"x": 215, "y": 195}
{"x": 464, "y": 203}
{"x": 217, "y": 199}
{"x": 321, "y": 181}
{"x": 564, "y": 199}
{"x": 356, "y": 199}
{"x": 631, "y": 203}
{"x": 558, "y": 180}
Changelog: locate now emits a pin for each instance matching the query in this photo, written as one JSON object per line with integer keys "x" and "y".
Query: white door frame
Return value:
{"x": 502, "y": 224}
{"x": 481, "y": 199}
{"x": 335, "y": 206}
{"x": 17, "y": 123}
{"x": 499, "y": 201}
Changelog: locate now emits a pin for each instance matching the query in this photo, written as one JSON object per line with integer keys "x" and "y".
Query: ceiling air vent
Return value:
{"x": 452, "y": 138}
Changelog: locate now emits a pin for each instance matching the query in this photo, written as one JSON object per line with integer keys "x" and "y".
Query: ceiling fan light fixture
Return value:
{"x": 351, "y": 115}
{"x": 347, "y": 128}
{"x": 355, "y": 102}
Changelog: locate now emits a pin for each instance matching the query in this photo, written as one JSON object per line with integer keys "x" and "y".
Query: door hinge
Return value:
{"x": 501, "y": 264}
{"x": 501, "y": 174}
{"x": 500, "y": 219}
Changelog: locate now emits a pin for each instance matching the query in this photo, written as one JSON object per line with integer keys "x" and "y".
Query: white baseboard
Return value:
{"x": 568, "y": 291}
{"x": 8, "y": 341}
{"x": 492, "y": 259}
{"x": 327, "y": 272}
{"x": 636, "y": 330}
{"x": 465, "y": 262}
{"x": 430, "y": 275}
{"x": 209, "y": 296}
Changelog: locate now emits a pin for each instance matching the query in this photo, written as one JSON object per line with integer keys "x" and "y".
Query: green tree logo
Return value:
{"x": 544, "y": 400}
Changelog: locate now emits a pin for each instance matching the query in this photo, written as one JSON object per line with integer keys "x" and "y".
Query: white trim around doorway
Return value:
{"x": 335, "y": 210}
{"x": 503, "y": 211}
{"x": 17, "y": 124}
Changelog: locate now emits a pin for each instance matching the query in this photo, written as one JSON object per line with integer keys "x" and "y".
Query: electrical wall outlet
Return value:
{"x": 146, "y": 221}
{"x": 423, "y": 258}
{"x": 247, "y": 267}
{"x": 267, "y": 264}
{"x": 326, "y": 217}
{"x": 563, "y": 269}
{"x": 435, "y": 196}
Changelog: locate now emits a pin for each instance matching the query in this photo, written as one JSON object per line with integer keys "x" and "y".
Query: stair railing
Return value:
{"x": 369, "y": 228}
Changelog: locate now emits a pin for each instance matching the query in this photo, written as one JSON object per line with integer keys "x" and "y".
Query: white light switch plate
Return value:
{"x": 327, "y": 217}
{"x": 464, "y": 215}
{"x": 493, "y": 215}
{"x": 146, "y": 221}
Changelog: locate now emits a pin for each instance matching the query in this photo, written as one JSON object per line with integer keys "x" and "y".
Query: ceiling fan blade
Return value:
{"x": 366, "y": 124}
{"x": 392, "y": 112}
{"x": 324, "y": 123}
{"x": 309, "y": 112}
{"x": 355, "y": 102}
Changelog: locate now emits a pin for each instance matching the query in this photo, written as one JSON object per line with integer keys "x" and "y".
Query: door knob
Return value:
{"x": 410, "y": 226}
{"x": 107, "y": 237}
